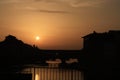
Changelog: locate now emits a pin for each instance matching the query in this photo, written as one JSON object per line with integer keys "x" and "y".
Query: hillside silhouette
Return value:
{"x": 14, "y": 53}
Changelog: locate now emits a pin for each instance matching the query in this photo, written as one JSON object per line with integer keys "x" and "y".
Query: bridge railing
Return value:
{"x": 53, "y": 73}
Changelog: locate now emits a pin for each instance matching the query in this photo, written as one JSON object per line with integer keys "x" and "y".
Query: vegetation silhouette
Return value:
{"x": 14, "y": 52}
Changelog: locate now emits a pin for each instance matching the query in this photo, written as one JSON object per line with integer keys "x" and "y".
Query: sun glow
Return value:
{"x": 37, "y": 38}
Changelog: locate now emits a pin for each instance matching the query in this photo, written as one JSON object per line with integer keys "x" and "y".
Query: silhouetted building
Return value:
{"x": 101, "y": 51}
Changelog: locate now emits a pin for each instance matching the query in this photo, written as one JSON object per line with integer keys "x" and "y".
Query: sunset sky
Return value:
{"x": 60, "y": 24}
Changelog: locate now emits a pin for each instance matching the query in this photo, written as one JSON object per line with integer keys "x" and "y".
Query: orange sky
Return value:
{"x": 59, "y": 23}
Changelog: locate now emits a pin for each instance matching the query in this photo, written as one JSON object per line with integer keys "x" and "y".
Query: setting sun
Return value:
{"x": 37, "y": 38}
